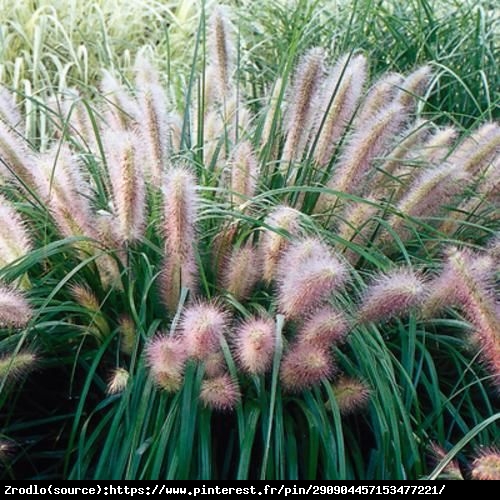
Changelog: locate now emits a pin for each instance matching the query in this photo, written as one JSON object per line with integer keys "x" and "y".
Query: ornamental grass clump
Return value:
{"x": 250, "y": 280}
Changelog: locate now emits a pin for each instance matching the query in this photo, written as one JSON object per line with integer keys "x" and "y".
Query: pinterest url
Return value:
{"x": 222, "y": 490}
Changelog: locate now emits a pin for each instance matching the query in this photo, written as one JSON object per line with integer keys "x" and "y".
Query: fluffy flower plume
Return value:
{"x": 323, "y": 328}
{"x": 379, "y": 97}
{"x": 300, "y": 111}
{"x": 438, "y": 145}
{"x": 15, "y": 312}
{"x": 452, "y": 470}
{"x": 473, "y": 282}
{"x": 284, "y": 222}
{"x": 215, "y": 364}
{"x": 304, "y": 366}
{"x": 180, "y": 208}
{"x": 487, "y": 465}
{"x": 88, "y": 300}
{"x": 16, "y": 365}
{"x": 242, "y": 271}
{"x": 127, "y": 184}
{"x": 18, "y": 161}
{"x": 154, "y": 120}
{"x": 9, "y": 111}
{"x": 351, "y": 394}
{"x": 166, "y": 357}
{"x": 202, "y": 327}
{"x": 122, "y": 110}
{"x": 429, "y": 192}
{"x": 339, "y": 97}
{"x": 62, "y": 185}
{"x": 14, "y": 239}
{"x": 243, "y": 172}
{"x": 220, "y": 393}
{"x": 128, "y": 334}
{"x": 367, "y": 143}
{"x": 118, "y": 381}
{"x": 358, "y": 226}
{"x": 254, "y": 344}
{"x": 478, "y": 150}
{"x": 74, "y": 110}
{"x": 392, "y": 294}
{"x": 414, "y": 86}
{"x": 308, "y": 274}
{"x": 222, "y": 54}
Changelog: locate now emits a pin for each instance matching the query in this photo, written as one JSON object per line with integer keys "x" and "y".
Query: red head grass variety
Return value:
{"x": 220, "y": 393}
{"x": 304, "y": 366}
{"x": 300, "y": 111}
{"x": 254, "y": 344}
{"x": 351, "y": 394}
{"x": 323, "y": 328}
{"x": 127, "y": 185}
{"x": 202, "y": 327}
{"x": 14, "y": 239}
{"x": 346, "y": 81}
{"x": 180, "y": 208}
{"x": 309, "y": 273}
{"x": 166, "y": 357}
{"x": 242, "y": 271}
{"x": 487, "y": 465}
{"x": 15, "y": 312}
{"x": 118, "y": 381}
{"x": 391, "y": 295}
{"x": 285, "y": 222}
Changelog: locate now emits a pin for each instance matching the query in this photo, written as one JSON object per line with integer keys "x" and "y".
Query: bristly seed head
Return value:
{"x": 324, "y": 327}
{"x": 487, "y": 465}
{"x": 166, "y": 357}
{"x": 15, "y": 365}
{"x": 15, "y": 312}
{"x": 392, "y": 294}
{"x": 254, "y": 344}
{"x": 220, "y": 393}
{"x": 202, "y": 327}
{"x": 242, "y": 271}
{"x": 118, "y": 381}
{"x": 351, "y": 394}
{"x": 304, "y": 366}
{"x": 272, "y": 244}
{"x": 309, "y": 272}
